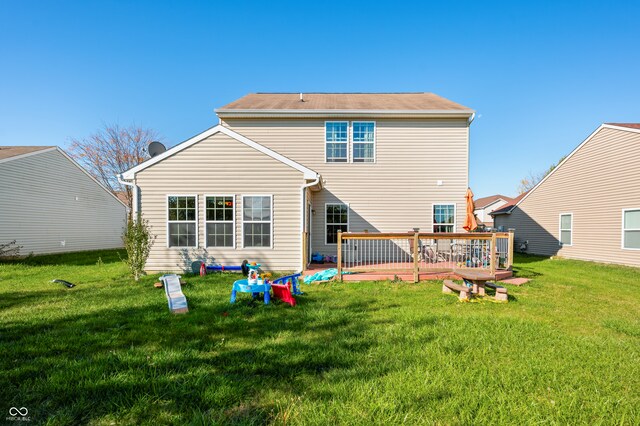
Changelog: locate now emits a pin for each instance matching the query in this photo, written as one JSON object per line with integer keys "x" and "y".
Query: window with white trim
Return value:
{"x": 444, "y": 217}
{"x": 336, "y": 137}
{"x": 182, "y": 221}
{"x": 364, "y": 138}
{"x": 257, "y": 220}
{"x": 566, "y": 229}
{"x": 336, "y": 219}
{"x": 219, "y": 219}
{"x": 631, "y": 229}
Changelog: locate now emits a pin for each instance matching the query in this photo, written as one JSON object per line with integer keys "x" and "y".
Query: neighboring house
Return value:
{"x": 484, "y": 206}
{"x": 588, "y": 207}
{"x": 282, "y": 168}
{"x": 50, "y": 204}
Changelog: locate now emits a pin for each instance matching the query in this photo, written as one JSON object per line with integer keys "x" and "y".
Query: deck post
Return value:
{"x": 416, "y": 257}
{"x": 339, "y": 255}
{"x": 494, "y": 253}
{"x": 510, "y": 253}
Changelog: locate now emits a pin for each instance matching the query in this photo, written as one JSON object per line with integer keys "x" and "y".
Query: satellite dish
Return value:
{"x": 156, "y": 148}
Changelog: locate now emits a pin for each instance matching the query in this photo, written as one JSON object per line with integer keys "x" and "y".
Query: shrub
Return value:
{"x": 137, "y": 242}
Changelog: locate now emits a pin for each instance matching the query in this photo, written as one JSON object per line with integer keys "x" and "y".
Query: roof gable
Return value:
{"x": 483, "y": 202}
{"x": 308, "y": 173}
{"x": 628, "y": 127}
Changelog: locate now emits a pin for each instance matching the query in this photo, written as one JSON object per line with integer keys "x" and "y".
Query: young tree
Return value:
{"x": 111, "y": 151}
{"x": 137, "y": 240}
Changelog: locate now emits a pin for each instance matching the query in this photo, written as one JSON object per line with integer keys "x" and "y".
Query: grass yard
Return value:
{"x": 564, "y": 350}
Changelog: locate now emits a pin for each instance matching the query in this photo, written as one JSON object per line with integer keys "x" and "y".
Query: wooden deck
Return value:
{"x": 404, "y": 274}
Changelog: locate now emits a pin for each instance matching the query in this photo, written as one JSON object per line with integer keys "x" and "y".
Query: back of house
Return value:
{"x": 284, "y": 172}
{"x": 50, "y": 204}
{"x": 588, "y": 207}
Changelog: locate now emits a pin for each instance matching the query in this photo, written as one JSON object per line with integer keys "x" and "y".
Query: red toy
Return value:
{"x": 285, "y": 287}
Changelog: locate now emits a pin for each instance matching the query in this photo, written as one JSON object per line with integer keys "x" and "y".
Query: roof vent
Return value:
{"x": 301, "y": 97}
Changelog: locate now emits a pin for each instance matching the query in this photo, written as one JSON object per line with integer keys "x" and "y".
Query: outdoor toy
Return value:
{"x": 252, "y": 277}
{"x": 221, "y": 268}
{"x": 243, "y": 286}
{"x": 284, "y": 288}
{"x": 176, "y": 299}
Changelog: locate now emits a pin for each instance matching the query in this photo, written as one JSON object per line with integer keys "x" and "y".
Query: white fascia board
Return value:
{"x": 28, "y": 154}
{"x": 308, "y": 173}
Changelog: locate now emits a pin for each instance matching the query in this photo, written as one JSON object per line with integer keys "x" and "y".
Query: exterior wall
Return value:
{"x": 220, "y": 165}
{"x": 45, "y": 200}
{"x": 484, "y": 213}
{"x": 595, "y": 184}
{"x": 393, "y": 194}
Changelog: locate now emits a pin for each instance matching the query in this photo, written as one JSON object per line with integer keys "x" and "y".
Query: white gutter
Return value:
{"x": 134, "y": 203}
{"x": 303, "y": 190}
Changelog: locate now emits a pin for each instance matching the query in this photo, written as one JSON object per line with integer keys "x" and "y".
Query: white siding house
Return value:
{"x": 50, "y": 204}
{"x": 321, "y": 162}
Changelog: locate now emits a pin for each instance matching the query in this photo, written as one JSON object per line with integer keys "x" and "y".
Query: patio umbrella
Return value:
{"x": 470, "y": 220}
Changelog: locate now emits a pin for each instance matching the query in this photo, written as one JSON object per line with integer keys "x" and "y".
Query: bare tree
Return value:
{"x": 532, "y": 179}
{"x": 111, "y": 151}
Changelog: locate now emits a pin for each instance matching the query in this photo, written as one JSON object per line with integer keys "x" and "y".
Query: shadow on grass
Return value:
{"x": 81, "y": 258}
{"x": 214, "y": 360}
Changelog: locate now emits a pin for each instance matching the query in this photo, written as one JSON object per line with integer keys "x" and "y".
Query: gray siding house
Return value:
{"x": 50, "y": 204}
{"x": 282, "y": 173}
{"x": 588, "y": 207}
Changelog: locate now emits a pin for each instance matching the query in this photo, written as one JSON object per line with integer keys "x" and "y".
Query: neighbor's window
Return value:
{"x": 219, "y": 216}
{"x": 183, "y": 229}
{"x": 363, "y": 141}
{"x": 257, "y": 220}
{"x": 336, "y": 141}
{"x": 336, "y": 219}
{"x": 631, "y": 229}
{"x": 566, "y": 229}
{"x": 444, "y": 217}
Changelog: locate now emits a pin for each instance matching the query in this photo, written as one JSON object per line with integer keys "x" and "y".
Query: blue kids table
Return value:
{"x": 243, "y": 286}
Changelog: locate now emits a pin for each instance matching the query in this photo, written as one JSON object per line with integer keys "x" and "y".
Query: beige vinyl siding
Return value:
{"x": 39, "y": 209}
{"x": 594, "y": 184}
{"x": 396, "y": 192}
{"x": 220, "y": 165}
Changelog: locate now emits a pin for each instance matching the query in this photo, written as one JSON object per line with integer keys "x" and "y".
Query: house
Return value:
{"x": 588, "y": 207}
{"x": 50, "y": 204}
{"x": 485, "y": 205}
{"x": 283, "y": 173}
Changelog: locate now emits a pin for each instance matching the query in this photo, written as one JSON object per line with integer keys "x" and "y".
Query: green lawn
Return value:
{"x": 564, "y": 350}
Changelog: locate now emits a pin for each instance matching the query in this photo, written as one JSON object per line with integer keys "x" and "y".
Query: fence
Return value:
{"x": 423, "y": 252}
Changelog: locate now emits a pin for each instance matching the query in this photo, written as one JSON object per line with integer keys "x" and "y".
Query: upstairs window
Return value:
{"x": 336, "y": 137}
{"x": 182, "y": 223}
{"x": 444, "y": 217}
{"x": 631, "y": 229}
{"x": 364, "y": 138}
{"x": 220, "y": 226}
{"x": 566, "y": 229}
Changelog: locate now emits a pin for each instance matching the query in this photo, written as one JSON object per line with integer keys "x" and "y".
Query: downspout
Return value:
{"x": 303, "y": 191}
{"x": 134, "y": 203}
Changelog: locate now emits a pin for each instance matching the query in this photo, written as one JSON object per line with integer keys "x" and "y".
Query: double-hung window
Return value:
{"x": 257, "y": 216}
{"x": 631, "y": 229}
{"x": 444, "y": 217}
{"x": 336, "y": 138}
{"x": 566, "y": 229}
{"x": 364, "y": 138}
{"x": 336, "y": 219}
{"x": 220, "y": 223}
{"x": 182, "y": 220}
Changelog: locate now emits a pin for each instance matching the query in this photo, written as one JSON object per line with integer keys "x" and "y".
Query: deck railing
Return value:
{"x": 423, "y": 252}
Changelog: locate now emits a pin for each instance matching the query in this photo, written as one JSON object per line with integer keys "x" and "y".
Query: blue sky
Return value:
{"x": 541, "y": 76}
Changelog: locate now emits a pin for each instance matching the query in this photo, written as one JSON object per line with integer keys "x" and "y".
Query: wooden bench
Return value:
{"x": 501, "y": 292}
{"x": 449, "y": 286}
